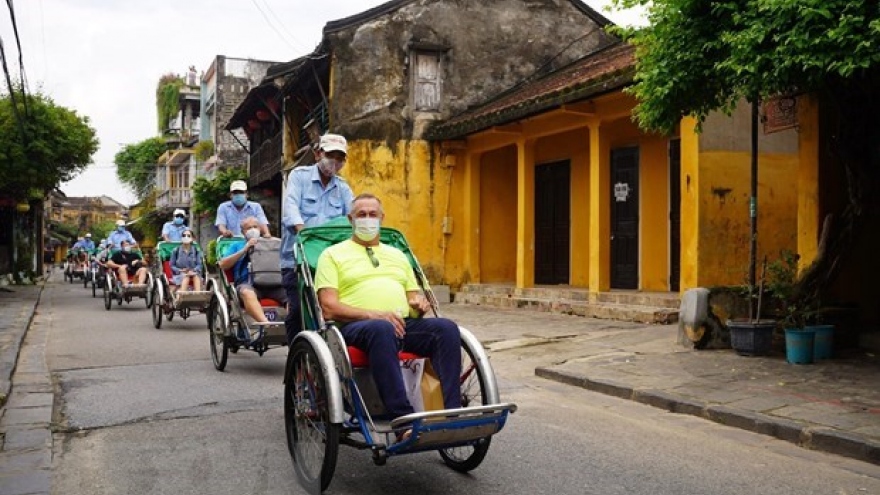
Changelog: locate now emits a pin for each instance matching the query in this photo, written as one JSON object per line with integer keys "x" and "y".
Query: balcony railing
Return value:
{"x": 176, "y": 197}
{"x": 265, "y": 162}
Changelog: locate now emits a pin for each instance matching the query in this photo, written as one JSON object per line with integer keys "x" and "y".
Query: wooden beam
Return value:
{"x": 583, "y": 108}
{"x": 507, "y": 129}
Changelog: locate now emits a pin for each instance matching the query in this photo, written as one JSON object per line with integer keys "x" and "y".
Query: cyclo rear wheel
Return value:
{"x": 313, "y": 441}
{"x": 473, "y": 393}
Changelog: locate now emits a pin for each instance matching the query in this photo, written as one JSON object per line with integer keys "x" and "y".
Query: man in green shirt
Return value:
{"x": 370, "y": 288}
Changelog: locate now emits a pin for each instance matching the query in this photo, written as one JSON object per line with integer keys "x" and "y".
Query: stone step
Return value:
{"x": 609, "y": 311}
{"x": 633, "y": 298}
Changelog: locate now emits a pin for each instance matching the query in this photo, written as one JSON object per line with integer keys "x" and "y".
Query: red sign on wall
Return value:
{"x": 780, "y": 113}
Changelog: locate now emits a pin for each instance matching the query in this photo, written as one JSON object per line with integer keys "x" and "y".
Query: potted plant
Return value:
{"x": 806, "y": 339}
{"x": 753, "y": 336}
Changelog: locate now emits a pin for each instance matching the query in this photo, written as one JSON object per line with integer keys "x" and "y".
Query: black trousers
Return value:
{"x": 293, "y": 322}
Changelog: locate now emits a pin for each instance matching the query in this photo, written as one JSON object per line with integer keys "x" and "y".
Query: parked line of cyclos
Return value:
{"x": 329, "y": 399}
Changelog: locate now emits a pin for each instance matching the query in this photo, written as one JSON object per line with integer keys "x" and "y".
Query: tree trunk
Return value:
{"x": 853, "y": 141}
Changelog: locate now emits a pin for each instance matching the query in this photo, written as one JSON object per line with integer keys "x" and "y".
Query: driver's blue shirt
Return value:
{"x": 230, "y": 216}
{"x": 174, "y": 232}
{"x": 88, "y": 244}
{"x": 309, "y": 203}
{"x": 116, "y": 238}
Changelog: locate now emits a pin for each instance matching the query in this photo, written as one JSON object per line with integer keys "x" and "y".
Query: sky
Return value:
{"x": 103, "y": 58}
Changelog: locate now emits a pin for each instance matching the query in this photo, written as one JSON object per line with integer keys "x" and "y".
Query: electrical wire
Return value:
{"x": 15, "y": 113}
{"x": 272, "y": 25}
{"x": 22, "y": 76}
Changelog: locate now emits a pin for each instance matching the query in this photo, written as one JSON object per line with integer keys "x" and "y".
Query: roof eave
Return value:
{"x": 591, "y": 89}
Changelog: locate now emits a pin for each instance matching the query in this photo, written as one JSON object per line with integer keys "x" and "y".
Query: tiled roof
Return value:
{"x": 600, "y": 72}
{"x": 393, "y": 5}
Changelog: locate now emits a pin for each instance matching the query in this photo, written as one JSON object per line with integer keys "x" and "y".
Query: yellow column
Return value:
{"x": 472, "y": 216}
{"x": 525, "y": 205}
{"x": 809, "y": 222}
{"x": 580, "y": 217}
{"x": 690, "y": 202}
{"x": 600, "y": 215}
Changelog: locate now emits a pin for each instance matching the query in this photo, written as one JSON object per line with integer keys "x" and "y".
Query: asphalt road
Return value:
{"x": 142, "y": 411}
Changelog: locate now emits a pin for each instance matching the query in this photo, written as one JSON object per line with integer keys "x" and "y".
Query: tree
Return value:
{"x": 167, "y": 95}
{"x": 697, "y": 56}
{"x": 136, "y": 165}
{"x": 49, "y": 145}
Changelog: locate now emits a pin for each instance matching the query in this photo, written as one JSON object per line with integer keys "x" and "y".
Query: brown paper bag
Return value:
{"x": 432, "y": 394}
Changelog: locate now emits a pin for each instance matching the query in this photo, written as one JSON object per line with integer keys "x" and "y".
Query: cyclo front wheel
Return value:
{"x": 473, "y": 393}
{"x": 313, "y": 441}
{"x": 219, "y": 343}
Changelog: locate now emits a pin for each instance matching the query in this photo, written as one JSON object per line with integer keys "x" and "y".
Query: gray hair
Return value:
{"x": 367, "y": 196}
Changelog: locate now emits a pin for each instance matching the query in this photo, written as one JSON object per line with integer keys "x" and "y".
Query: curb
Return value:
{"x": 819, "y": 438}
{"x": 11, "y": 353}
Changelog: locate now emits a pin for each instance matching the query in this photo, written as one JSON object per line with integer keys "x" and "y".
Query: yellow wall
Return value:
{"x": 724, "y": 193}
{"x": 654, "y": 216}
{"x": 498, "y": 216}
{"x": 809, "y": 217}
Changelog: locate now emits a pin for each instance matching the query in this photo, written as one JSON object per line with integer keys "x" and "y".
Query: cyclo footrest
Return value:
{"x": 450, "y": 427}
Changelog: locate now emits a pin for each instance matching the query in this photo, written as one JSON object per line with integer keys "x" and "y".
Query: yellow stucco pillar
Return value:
{"x": 472, "y": 216}
{"x": 809, "y": 222}
{"x": 525, "y": 218}
{"x": 690, "y": 203}
{"x": 600, "y": 214}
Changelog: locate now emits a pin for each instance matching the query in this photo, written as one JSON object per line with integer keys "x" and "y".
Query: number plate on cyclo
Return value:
{"x": 271, "y": 314}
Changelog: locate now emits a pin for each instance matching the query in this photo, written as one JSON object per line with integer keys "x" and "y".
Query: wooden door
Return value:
{"x": 552, "y": 223}
{"x": 625, "y": 218}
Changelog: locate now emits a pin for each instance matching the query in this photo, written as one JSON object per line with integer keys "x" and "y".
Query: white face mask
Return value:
{"x": 329, "y": 166}
{"x": 252, "y": 233}
{"x": 366, "y": 229}
{"x": 186, "y": 240}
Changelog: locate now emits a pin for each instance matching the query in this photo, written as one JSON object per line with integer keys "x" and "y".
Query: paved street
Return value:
{"x": 139, "y": 410}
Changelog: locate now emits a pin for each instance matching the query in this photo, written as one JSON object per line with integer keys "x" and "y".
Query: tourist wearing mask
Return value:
{"x": 235, "y": 258}
{"x": 128, "y": 263}
{"x": 186, "y": 264}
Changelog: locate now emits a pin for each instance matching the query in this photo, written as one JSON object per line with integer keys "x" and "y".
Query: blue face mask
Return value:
{"x": 239, "y": 199}
{"x": 178, "y": 221}
{"x": 120, "y": 228}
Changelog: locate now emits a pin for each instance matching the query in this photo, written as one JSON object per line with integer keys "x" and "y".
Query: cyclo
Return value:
{"x": 164, "y": 301}
{"x": 115, "y": 290}
{"x": 97, "y": 272}
{"x": 77, "y": 264}
{"x": 330, "y": 397}
{"x": 230, "y": 326}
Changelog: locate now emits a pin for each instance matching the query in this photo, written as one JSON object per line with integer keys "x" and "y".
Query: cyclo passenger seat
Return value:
{"x": 263, "y": 270}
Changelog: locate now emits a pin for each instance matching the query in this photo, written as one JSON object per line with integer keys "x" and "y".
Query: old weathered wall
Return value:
{"x": 491, "y": 45}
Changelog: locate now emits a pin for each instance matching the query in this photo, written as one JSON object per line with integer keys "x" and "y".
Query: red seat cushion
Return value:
{"x": 359, "y": 358}
{"x": 269, "y": 303}
{"x": 166, "y": 267}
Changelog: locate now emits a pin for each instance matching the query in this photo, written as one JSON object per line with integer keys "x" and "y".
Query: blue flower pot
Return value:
{"x": 799, "y": 345}
{"x": 823, "y": 342}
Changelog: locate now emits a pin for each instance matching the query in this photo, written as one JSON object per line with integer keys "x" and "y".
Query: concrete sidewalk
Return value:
{"x": 832, "y": 406}
{"x": 26, "y": 395}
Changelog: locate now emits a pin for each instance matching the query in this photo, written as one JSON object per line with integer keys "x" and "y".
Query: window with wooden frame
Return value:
{"x": 427, "y": 80}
